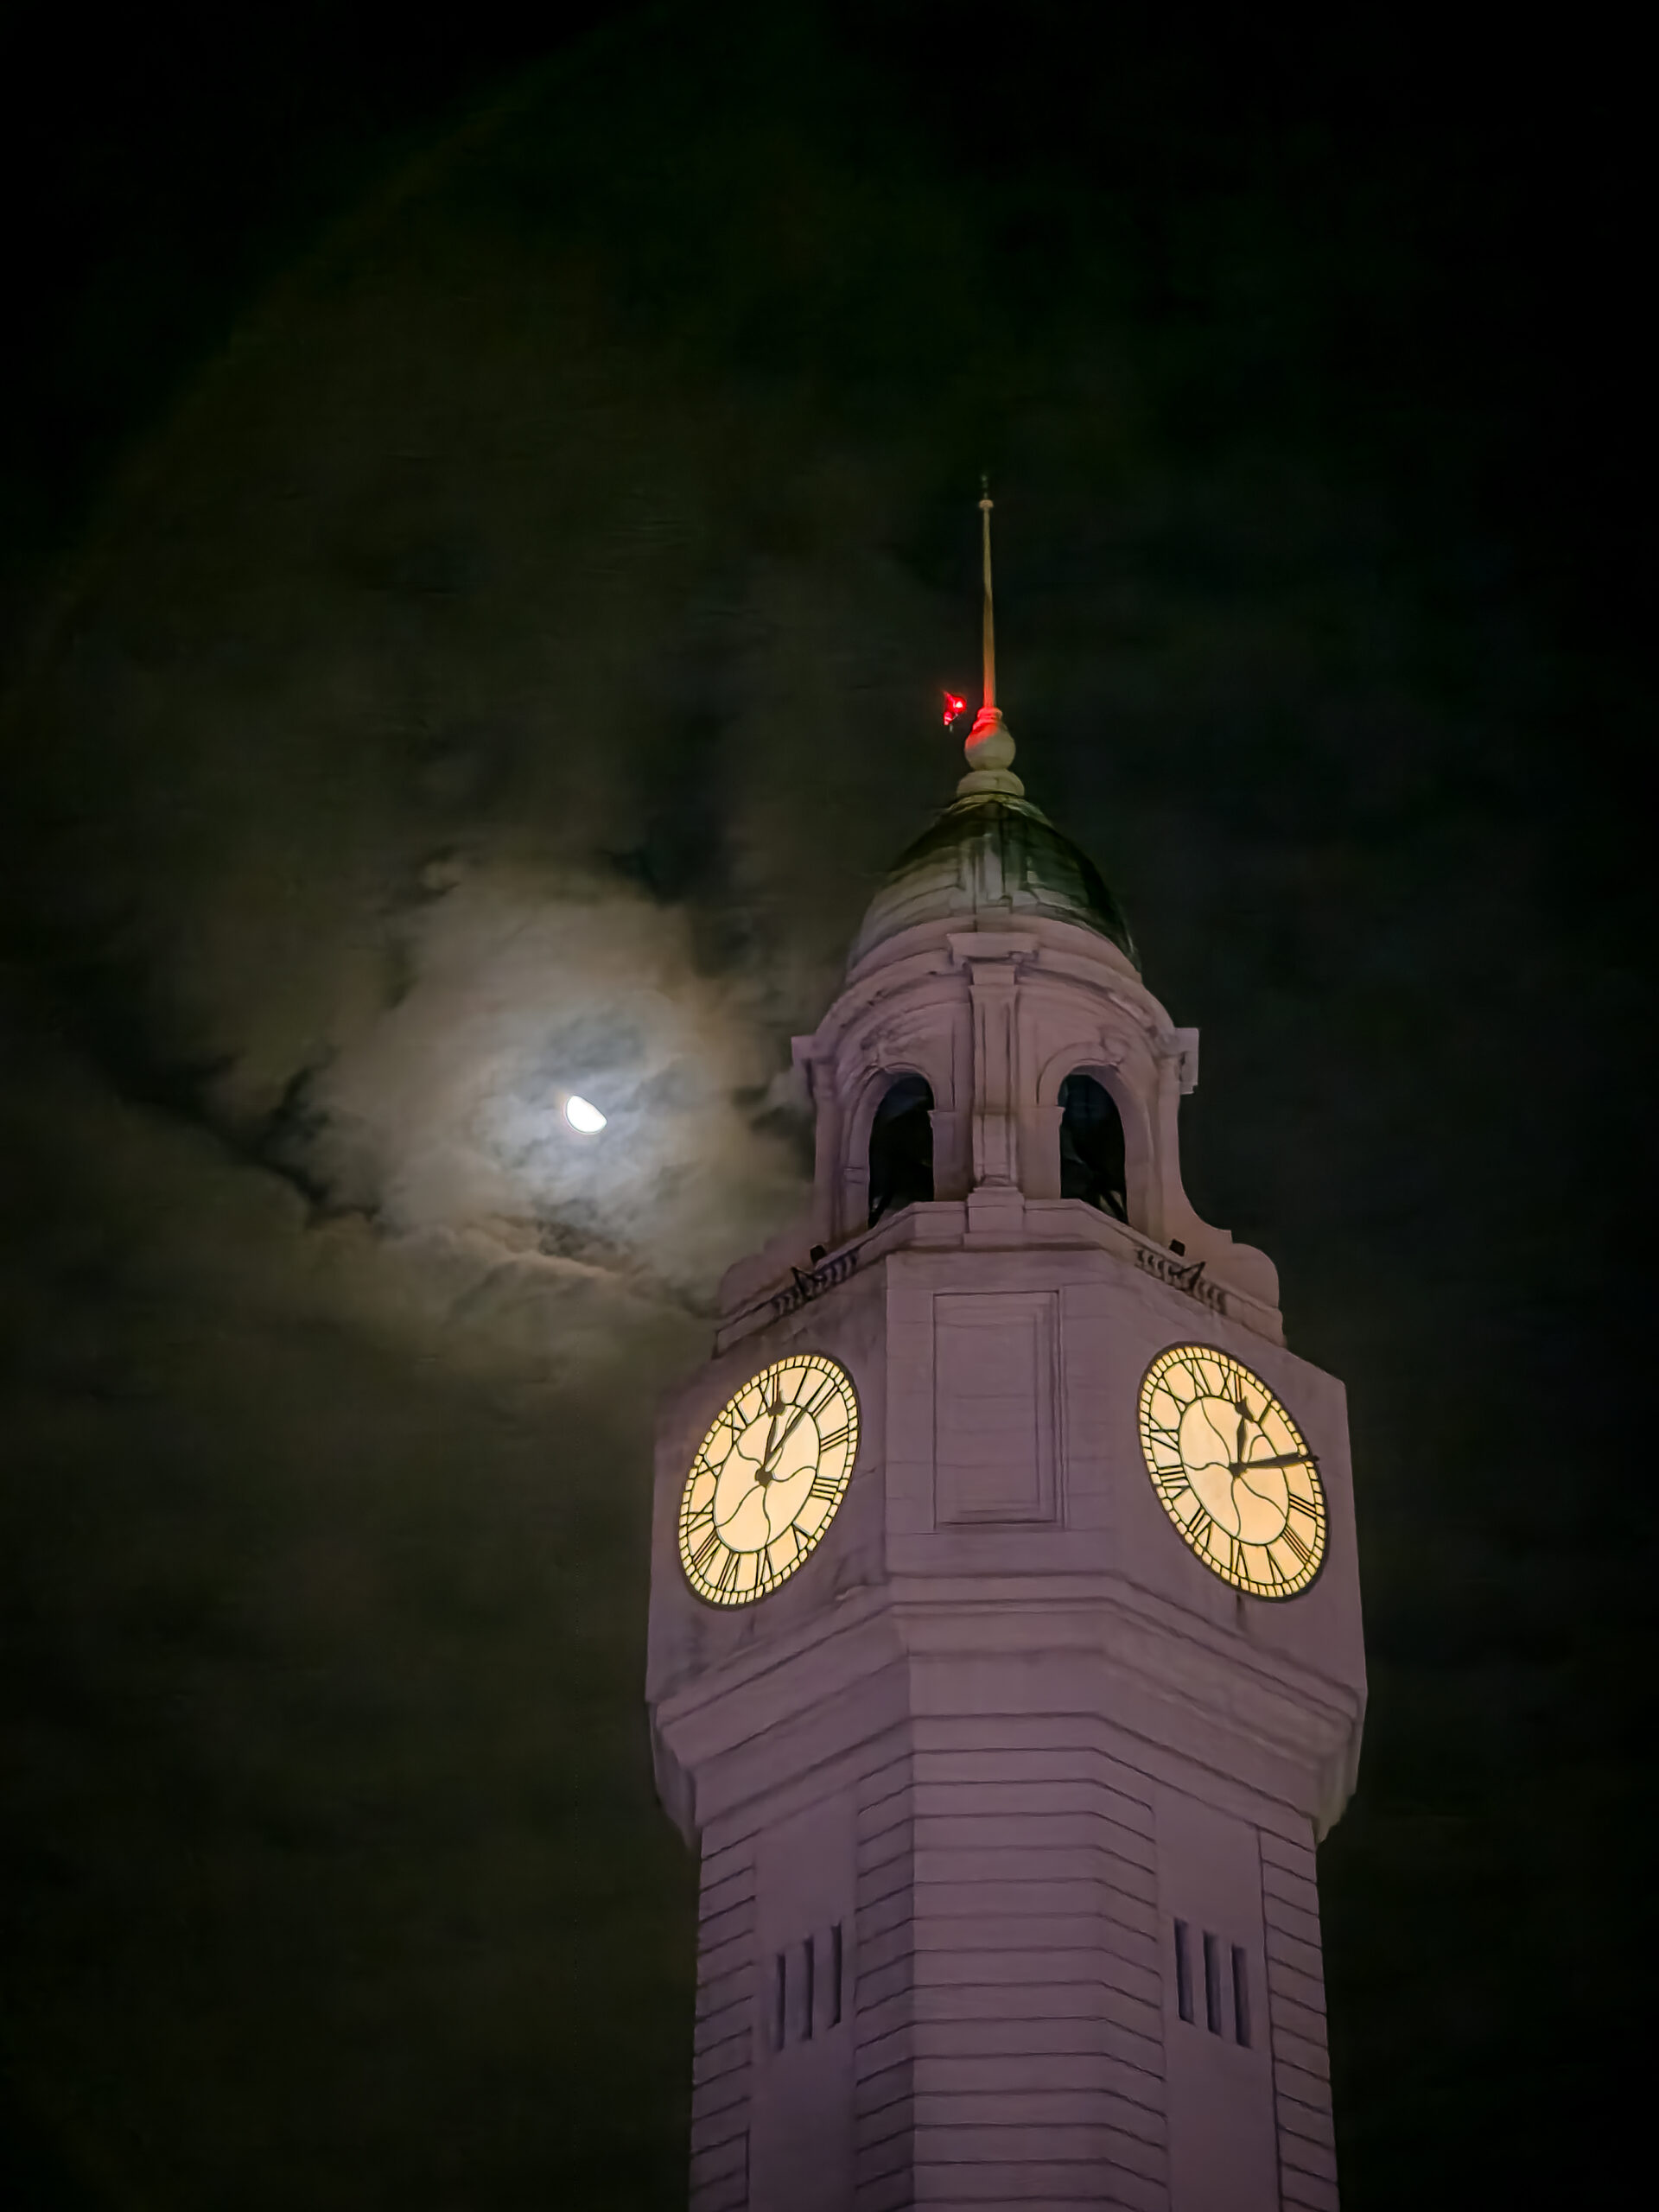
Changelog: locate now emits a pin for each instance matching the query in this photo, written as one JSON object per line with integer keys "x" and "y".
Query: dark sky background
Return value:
{"x": 488, "y": 509}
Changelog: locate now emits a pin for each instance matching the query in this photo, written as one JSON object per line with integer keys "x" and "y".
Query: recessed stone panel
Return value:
{"x": 995, "y": 1377}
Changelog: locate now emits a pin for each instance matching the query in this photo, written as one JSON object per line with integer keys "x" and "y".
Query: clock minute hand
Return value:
{"x": 777, "y": 1407}
{"x": 1284, "y": 1460}
{"x": 773, "y": 1450}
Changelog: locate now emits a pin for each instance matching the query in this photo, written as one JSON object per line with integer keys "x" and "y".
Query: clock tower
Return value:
{"x": 1005, "y": 1657}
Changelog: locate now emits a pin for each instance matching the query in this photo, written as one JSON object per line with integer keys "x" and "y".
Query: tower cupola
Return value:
{"x": 993, "y": 1038}
{"x": 992, "y": 857}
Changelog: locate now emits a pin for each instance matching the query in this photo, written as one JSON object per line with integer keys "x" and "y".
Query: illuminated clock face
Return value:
{"x": 767, "y": 1479}
{"x": 1233, "y": 1470}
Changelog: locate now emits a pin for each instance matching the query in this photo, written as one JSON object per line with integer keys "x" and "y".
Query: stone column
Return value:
{"x": 993, "y": 963}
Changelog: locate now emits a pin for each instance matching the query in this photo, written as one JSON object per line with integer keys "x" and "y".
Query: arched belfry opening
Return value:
{"x": 901, "y": 1147}
{"x": 1091, "y": 1147}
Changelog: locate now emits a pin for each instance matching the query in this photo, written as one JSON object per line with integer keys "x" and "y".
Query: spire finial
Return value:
{"x": 988, "y": 746}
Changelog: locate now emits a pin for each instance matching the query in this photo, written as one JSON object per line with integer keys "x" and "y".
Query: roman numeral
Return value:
{"x": 1304, "y": 1552}
{"x": 726, "y": 1579}
{"x": 825, "y": 1486}
{"x": 1199, "y": 1526}
{"x": 834, "y": 1440}
{"x": 705, "y": 1551}
{"x": 778, "y": 1564}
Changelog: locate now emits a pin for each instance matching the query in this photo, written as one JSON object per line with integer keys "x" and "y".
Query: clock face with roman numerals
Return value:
{"x": 1233, "y": 1470}
{"x": 767, "y": 1479}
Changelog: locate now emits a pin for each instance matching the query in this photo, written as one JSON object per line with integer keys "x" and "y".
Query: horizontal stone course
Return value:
{"x": 982, "y": 1860}
{"x": 886, "y": 1845}
{"x": 1029, "y": 1758}
{"x": 723, "y": 2094}
{"x": 728, "y": 2157}
{"x": 1022, "y": 2182}
{"x": 882, "y": 2101}
{"x": 1306, "y": 2157}
{"x": 1298, "y": 2020}
{"x": 1037, "y": 2147}
{"x": 1132, "y": 2064}
{"x": 1007, "y": 2074}
{"x": 1313, "y": 2123}
{"x": 1307, "y": 2192}
{"x": 732, "y": 1889}
{"x": 719, "y": 1864}
{"x": 720, "y": 1927}
{"x": 990, "y": 1828}
{"x": 1073, "y": 1893}
{"x": 1294, "y": 2084}
{"x": 1296, "y": 2050}
{"x": 726, "y": 2193}
{"x": 710, "y": 2130}
{"x": 886, "y": 2148}
{"x": 737, "y": 1951}
{"x": 1291, "y": 1956}
{"x": 890, "y": 1878}
{"x": 888, "y": 2192}
{"x": 1279, "y": 1851}
{"x": 1281, "y": 1919}
{"x": 1057, "y": 2108}
{"x": 721, "y": 2057}
{"x": 884, "y": 1800}
{"x": 881, "y": 2016}
{"x": 717, "y": 1991}
{"x": 1031, "y": 1971}
{"x": 1297, "y": 1890}
{"x": 1032, "y": 1797}
{"x": 719, "y": 2027}
{"x": 1026, "y": 1931}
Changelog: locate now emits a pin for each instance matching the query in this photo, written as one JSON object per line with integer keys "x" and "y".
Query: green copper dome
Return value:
{"x": 993, "y": 854}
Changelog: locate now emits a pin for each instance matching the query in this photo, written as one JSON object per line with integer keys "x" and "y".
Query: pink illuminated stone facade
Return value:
{"x": 1007, "y": 1804}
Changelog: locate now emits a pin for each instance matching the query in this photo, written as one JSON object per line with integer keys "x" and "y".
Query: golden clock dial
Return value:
{"x": 1233, "y": 1470}
{"x": 767, "y": 1479}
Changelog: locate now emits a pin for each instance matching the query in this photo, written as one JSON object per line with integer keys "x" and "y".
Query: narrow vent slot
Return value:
{"x": 1183, "y": 1973}
{"x": 1211, "y": 1983}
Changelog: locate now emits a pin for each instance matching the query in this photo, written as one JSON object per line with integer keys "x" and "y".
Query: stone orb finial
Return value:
{"x": 988, "y": 751}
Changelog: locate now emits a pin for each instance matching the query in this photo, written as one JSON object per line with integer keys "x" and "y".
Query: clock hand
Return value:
{"x": 1284, "y": 1460}
{"x": 774, "y": 1452}
{"x": 764, "y": 1474}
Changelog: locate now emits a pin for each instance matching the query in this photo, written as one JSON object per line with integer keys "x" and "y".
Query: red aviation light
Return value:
{"x": 953, "y": 708}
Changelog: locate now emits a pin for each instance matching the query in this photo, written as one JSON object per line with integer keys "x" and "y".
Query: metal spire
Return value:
{"x": 985, "y": 506}
{"x": 988, "y": 746}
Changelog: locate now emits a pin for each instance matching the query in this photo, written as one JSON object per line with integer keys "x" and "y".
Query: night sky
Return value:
{"x": 488, "y": 514}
